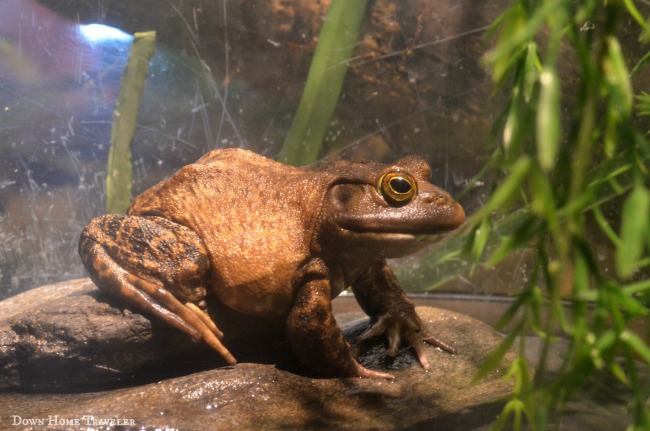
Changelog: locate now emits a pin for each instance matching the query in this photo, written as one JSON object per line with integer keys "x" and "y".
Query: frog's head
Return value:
{"x": 387, "y": 210}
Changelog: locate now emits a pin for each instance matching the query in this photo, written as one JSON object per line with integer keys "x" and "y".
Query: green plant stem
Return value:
{"x": 338, "y": 38}
{"x": 125, "y": 115}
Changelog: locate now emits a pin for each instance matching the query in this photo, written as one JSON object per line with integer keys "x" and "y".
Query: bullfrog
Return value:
{"x": 273, "y": 240}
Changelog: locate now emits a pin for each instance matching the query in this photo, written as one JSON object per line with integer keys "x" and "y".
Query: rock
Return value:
{"x": 61, "y": 337}
{"x": 71, "y": 335}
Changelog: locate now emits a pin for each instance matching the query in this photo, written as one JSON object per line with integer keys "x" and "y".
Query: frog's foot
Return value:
{"x": 155, "y": 299}
{"x": 314, "y": 335}
{"x": 205, "y": 319}
{"x": 361, "y": 371}
{"x": 187, "y": 317}
{"x": 137, "y": 259}
{"x": 407, "y": 326}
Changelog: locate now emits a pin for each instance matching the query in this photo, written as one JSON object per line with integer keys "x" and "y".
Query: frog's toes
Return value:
{"x": 205, "y": 319}
{"x": 415, "y": 339}
{"x": 361, "y": 371}
{"x": 430, "y": 339}
{"x": 410, "y": 329}
{"x": 375, "y": 330}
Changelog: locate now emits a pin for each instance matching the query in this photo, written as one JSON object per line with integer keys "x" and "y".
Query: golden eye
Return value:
{"x": 397, "y": 187}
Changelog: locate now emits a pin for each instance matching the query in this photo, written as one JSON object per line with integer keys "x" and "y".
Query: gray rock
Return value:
{"x": 61, "y": 337}
{"x": 71, "y": 335}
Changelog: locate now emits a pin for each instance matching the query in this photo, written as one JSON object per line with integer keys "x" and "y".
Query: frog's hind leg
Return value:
{"x": 158, "y": 266}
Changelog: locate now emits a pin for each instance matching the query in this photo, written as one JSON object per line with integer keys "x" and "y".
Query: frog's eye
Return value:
{"x": 397, "y": 187}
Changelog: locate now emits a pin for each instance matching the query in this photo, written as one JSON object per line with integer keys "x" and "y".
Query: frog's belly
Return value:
{"x": 265, "y": 292}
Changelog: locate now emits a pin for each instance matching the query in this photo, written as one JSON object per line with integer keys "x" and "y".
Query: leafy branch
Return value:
{"x": 562, "y": 176}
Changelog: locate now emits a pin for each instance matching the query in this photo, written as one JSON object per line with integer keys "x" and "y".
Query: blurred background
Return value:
{"x": 225, "y": 74}
{"x": 228, "y": 74}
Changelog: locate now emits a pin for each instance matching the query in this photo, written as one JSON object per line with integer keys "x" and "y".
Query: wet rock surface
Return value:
{"x": 70, "y": 343}
{"x": 72, "y": 336}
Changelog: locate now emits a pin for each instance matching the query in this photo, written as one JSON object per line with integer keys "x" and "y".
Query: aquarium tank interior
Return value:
{"x": 533, "y": 114}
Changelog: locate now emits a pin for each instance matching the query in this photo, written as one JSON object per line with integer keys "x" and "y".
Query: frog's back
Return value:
{"x": 255, "y": 216}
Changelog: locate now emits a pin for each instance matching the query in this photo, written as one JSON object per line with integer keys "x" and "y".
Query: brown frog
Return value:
{"x": 274, "y": 240}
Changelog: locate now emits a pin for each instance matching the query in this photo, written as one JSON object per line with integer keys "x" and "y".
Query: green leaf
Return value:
{"x": 532, "y": 69}
{"x": 512, "y": 27}
{"x": 605, "y": 227}
{"x": 643, "y": 102}
{"x": 544, "y": 201}
{"x": 624, "y": 301}
{"x": 523, "y": 300}
{"x": 548, "y": 119}
{"x": 637, "y": 344}
{"x": 481, "y": 236}
{"x": 338, "y": 38}
{"x": 634, "y": 13}
{"x": 620, "y": 89}
{"x": 641, "y": 62}
{"x": 634, "y": 288}
{"x": 517, "y": 29}
{"x": 508, "y": 189}
{"x": 125, "y": 115}
{"x": 619, "y": 373}
{"x": 512, "y": 126}
{"x": 519, "y": 238}
{"x": 618, "y": 77}
{"x": 635, "y": 220}
{"x": 495, "y": 356}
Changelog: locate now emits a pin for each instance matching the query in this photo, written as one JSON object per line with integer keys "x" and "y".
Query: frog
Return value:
{"x": 273, "y": 240}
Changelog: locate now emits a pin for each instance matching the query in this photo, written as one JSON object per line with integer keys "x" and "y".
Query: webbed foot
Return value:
{"x": 408, "y": 326}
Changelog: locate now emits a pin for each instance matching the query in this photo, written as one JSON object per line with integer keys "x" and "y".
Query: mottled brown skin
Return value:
{"x": 273, "y": 240}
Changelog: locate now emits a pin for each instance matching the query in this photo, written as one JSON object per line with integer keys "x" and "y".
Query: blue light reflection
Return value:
{"x": 99, "y": 33}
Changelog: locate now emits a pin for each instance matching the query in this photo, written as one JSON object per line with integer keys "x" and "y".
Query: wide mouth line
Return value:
{"x": 395, "y": 234}
{"x": 396, "y": 231}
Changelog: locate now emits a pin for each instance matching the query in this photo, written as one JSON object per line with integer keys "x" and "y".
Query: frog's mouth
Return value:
{"x": 414, "y": 228}
{"x": 392, "y": 240}
{"x": 392, "y": 237}
{"x": 383, "y": 244}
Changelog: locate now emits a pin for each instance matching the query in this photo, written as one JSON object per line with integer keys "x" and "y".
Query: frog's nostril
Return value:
{"x": 436, "y": 199}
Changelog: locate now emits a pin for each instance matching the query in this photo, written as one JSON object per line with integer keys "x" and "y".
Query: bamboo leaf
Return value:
{"x": 519, "y": 238}
{"x": 641, "y": 62}
{"x": 512, "y": 127}
{"x": 641, "y": 286}
{"x": 508, "y": 190}
{"x": 496, "y": 356}
{"x": 643, "y": 99}
{"x": 618, "y": 77}
{"x": 634, "y": 13}
{"x": 619, "y": 373}
{"x": 544, "y": 200}
{"x": 634, "y": 228}
{"x": 605, "y": 227}
{"x": 517, "y": 28}
{"x": 532, "y": 69}
{"x": 481, "y": 238}
{"x": 522, "y": 301}
{"x": 338, "y": 38}
{"x": 125, "y": 115}
{"x": 637, "y": 344}
{"x": 548, "y": 119}
{"x": 625, "y": 301}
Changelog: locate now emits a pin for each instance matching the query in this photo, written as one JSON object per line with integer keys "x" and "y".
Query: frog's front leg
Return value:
{"x": 157, "y": 265}
{"x": 382, "y": 298}
{"x": 313, "y": 333}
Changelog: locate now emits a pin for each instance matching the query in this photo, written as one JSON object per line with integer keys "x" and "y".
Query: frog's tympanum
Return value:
{"x": 273, "y": 240}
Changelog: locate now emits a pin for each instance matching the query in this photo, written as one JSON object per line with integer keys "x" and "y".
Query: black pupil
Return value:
{"x": 400, "y": 185}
